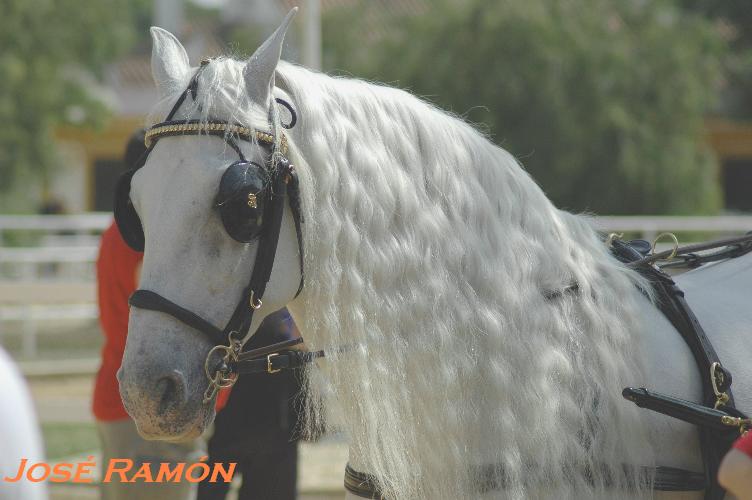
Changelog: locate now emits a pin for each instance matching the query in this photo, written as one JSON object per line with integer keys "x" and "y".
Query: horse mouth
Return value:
{"x": 177, "y": 427}
{"x": 188, "y": 435}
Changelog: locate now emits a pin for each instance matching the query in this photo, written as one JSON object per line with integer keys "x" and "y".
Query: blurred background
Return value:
{"x": 637, "y": 110}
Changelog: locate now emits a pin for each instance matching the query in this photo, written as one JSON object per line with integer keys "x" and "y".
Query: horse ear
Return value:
{"x": 169, "y": 61}
{"x": 259, "y": 70}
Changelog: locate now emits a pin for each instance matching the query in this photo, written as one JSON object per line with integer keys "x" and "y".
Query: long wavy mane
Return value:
{"x": 430, "y": 253}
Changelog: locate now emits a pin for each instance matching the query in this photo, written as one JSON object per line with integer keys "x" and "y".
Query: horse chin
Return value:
{"x": 177, "y": 428}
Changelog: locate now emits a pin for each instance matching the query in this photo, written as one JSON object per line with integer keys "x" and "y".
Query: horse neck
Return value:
{"x": 429, "y": 249}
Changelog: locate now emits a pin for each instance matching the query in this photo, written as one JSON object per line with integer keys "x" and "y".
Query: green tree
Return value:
{"x": 601, "y": 100}
{"x": 733, "y": 20}
{"x": 50, "y": 51}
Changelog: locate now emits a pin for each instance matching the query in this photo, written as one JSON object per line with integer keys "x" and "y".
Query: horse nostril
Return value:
{"x": 171, "y": 389}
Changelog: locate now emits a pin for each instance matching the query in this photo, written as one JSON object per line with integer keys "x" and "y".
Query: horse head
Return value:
{"x": 220, "y": 235}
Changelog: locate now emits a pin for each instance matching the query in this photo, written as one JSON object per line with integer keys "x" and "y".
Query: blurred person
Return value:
{"x": 19, "y": 435}
{"x": 735, "y": 472}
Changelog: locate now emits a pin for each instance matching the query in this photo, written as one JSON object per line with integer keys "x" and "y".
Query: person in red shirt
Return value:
{"x": 735, "y": 473}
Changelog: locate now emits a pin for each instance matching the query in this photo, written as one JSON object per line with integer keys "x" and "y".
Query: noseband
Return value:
{"x": 225, "y": 361}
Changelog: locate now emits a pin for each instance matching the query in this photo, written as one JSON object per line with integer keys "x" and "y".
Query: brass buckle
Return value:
{"x": 742, "y": 423}
{"x": 254, "y": 302}
{"x": 721, "y": 398}
{"x": 269, "y": 368}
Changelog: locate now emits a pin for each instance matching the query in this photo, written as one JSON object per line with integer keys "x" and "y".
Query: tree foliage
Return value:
{"x": 50, "y": 53}
{"x": 601, "y": 100}
{"x": 733, "y": 19}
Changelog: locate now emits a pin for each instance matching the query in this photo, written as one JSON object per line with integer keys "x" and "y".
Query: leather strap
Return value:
{"x": 670, "y": 301}
{"x": 492, "y": 478}
{"x": 152, "y": 301}
{"x": 687, "y": 411}
{"x": 276, "y": 361}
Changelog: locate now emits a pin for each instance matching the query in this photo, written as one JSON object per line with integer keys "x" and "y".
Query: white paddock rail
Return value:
{"x": 54, "y": 282}
{"x": 40, "y": 286}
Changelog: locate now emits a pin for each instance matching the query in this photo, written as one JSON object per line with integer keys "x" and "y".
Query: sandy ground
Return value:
{"x": 68, "y": 399}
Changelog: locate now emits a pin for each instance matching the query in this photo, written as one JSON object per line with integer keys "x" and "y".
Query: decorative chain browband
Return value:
{"x": 196, "y": 127}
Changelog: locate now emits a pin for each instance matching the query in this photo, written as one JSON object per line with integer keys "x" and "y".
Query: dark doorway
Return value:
{"x": 737, "y": 184}
{"x": 106, "y": 174}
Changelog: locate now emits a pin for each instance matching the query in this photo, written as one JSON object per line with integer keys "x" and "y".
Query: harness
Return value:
{"x": 719, "y": 422}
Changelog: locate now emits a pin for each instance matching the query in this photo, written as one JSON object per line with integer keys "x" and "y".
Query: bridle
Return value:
{"x": 280, "y": 184}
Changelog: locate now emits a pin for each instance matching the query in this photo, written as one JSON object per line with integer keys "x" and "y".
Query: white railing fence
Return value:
{"x": 53, "y": 281}
{"x": 49, "y": 283}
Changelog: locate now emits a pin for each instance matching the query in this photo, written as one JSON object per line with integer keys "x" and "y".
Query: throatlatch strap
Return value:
{"x": 276, "y": 361}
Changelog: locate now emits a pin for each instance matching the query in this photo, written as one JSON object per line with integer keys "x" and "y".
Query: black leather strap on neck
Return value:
{"x": 277, "y": 361}
{"x": 670, "y": 301}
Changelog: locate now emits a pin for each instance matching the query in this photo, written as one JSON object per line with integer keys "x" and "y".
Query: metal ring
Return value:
{"x": 293, "y": 115}
{"x": 713, "y": 379}
{"x": 254, "y": 302}
{"x": 676, "y": 244}
{"x": 229, "y": 353}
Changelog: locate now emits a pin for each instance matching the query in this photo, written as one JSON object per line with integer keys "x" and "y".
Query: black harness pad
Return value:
{"x": 126, "y": 216}
{"x": 242, "y": 196}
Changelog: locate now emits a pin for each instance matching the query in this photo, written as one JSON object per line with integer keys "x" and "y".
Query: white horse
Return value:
{"x": 429, "y": 251}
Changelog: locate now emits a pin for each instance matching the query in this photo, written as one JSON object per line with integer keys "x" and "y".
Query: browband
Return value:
{"x": 197, "y": 127}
